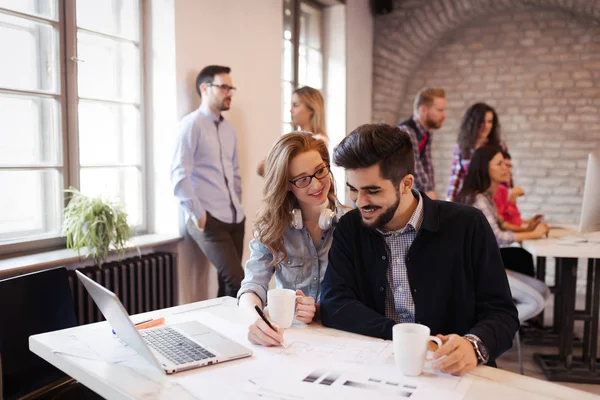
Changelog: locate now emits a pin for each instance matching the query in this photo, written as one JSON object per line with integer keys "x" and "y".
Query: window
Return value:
{"x": 70, "y": 112}
{"x": 302, "y": 30}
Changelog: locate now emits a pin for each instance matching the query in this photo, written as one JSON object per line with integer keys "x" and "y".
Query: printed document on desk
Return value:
{"x": 328, "y": 380}
{"x": 290, "y": 378}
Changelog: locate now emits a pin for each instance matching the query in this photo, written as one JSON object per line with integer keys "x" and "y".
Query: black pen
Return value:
{"x": 264, "y": 318}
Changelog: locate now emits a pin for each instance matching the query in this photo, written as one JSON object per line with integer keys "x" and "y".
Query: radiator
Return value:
{"x": 143, "y": 284}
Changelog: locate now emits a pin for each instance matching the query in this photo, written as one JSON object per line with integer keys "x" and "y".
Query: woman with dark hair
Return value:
{"x": 479, "y": 127}
{"x": 486, "y": 173}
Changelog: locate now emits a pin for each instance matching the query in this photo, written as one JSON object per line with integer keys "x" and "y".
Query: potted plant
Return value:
{"x": 96, "y": 225}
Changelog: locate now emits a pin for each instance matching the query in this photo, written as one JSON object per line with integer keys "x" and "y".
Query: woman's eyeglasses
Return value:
{"x": 303, "y": 182}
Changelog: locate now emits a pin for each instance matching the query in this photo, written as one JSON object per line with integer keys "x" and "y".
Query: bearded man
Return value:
{"x": 401, "y": 257}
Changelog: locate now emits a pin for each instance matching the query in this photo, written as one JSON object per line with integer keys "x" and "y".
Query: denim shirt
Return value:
{"x": 303, "y": 269}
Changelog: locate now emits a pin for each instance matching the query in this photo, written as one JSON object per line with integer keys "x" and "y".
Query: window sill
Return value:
{"x": 35, "y": 262}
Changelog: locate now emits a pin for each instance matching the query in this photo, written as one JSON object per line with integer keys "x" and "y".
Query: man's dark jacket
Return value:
{"x": 455, "y": 271}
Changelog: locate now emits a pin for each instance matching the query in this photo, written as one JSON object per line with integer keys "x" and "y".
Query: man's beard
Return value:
{"x": 431, "y": 124}
{"x": 222, "y": 106}
{"x": 384, "y": 218}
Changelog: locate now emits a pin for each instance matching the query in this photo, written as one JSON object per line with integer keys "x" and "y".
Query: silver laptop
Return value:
{"x": 171, "y": 348}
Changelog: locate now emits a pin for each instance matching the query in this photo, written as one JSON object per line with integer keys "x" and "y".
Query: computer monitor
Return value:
{"x": 590, "y": 206}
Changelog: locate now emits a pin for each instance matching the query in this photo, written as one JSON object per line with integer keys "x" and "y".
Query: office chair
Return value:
{"x": 529, "y": 295}
{"x": 30, "y": 304}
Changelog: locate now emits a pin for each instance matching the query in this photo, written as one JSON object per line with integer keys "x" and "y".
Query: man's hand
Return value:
{"x": 306, "y": 308}
{"x": 202, "y": 222}
{"x": 460, "y": 355}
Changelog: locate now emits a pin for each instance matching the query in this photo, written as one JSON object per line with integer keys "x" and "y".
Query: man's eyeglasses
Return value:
{"x": 303, "y": 182}
{"x": 223, "y": 87}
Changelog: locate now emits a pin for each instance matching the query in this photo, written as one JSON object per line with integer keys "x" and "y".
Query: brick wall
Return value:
{"x": 541, "y": 71}
{"x": 538, "y": 66}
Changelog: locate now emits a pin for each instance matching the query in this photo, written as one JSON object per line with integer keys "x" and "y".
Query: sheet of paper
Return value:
{"x": 321, "y": 379}
{"x": 306, "y": 343}
{"x": 99, "y": 344}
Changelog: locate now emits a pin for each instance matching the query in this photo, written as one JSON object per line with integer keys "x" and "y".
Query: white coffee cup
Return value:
{"x": 410, "y": 347}
{"x": 282, "y": 306}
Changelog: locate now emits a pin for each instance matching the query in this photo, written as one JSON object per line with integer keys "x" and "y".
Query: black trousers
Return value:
{"x": 222, "y": 244}
{"x": 518, "y": 259}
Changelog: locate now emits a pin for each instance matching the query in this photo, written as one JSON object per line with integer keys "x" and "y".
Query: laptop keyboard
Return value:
{"x": 174, "y": 346}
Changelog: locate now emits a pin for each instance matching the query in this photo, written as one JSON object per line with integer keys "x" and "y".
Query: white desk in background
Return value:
{"x": 82, "y": 353}
{"x": 566, "y": 246}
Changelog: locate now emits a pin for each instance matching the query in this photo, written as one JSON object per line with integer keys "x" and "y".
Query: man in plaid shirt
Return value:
{"x": 429, "y": 113}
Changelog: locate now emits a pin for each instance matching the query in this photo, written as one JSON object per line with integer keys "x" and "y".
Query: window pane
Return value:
{"x": 35, "y": 208}
{"x": 30, "y": 130}
{"x": 302, "y": 67}
{"x": 287, "y": 60}
{"x": 109, "y": 134}
{"x": 314, "y": 69}
{"x": 119, "y": 184}
{"x": 286, "y": 95}
{"x": 110, "y": 68}
{"x": 29, "y": 54}
{"x": 287, "y": 128}
{"x": 42, "y": 8}
{"x": 288, "y": 13}
{"x": 117, "y": 17}
{"x": 310, "y": 26}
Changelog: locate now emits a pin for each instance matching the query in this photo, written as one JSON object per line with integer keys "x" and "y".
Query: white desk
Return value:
{"x": 131, "y": 380}
{"x": 564, "y": 366}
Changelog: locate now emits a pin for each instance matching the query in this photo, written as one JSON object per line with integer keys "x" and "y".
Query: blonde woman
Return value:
{"x": 308, "y": 115}
{"x": 308, "y": 111}
{"x": 293, "y": 230}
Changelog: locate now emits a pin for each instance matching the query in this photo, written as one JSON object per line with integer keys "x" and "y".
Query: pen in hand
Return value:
{"x": 264, "y": 318}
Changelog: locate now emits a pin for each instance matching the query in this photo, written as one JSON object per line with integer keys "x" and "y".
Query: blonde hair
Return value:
{"x": 273, "y": 217}
{"x": 313, "y": 100}
{"x": 426, "y": 96}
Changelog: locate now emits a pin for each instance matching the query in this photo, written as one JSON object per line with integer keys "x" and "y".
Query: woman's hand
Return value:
{"x": 541, "y": 230}
{"x": 534, "y": 222}
{"x": 260, "y": 333}
{"x": 306, "y": 308}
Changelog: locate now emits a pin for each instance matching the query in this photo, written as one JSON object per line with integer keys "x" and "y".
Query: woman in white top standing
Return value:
{"x": 308, "y": 112}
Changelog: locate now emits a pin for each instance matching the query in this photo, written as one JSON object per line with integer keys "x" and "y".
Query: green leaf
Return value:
{"x": 96, "y": 225}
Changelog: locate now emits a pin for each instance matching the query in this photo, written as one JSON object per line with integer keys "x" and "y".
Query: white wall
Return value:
{"x": 359, "y": 63}
{"x": 246, "y": 36}
{"x": 335, "y": 85}
{"x": 185, "y": 36}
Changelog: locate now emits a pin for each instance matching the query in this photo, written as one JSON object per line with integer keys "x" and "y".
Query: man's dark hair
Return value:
{"x": 381, "y": 144}
{"x": 478, "y": 178}
{"x": 207, "y": 75}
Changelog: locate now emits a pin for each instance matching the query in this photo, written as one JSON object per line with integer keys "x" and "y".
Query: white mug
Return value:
{"x": 410, "y": 347}
{"x": 282, "y": 306}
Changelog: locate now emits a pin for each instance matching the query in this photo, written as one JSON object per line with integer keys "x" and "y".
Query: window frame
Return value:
{"x": 296, "y": 10}
{"x": 68, "y": 100}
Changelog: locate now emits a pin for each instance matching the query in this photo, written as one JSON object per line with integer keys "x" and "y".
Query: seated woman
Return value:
{"x": 486, "y": 173}
{"x": 506, "y": 202}
{"x": 293, "y": 230}
{"x": 480, "y": 126}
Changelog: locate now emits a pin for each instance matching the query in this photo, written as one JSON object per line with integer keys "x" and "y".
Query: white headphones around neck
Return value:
{"x": 327, "y": 219}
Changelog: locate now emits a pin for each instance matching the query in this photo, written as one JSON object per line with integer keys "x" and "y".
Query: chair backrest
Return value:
{"x": 30, "y": 304}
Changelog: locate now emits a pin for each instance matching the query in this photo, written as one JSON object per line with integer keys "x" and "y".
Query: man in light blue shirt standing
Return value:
{"x": 205, "y": 175}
